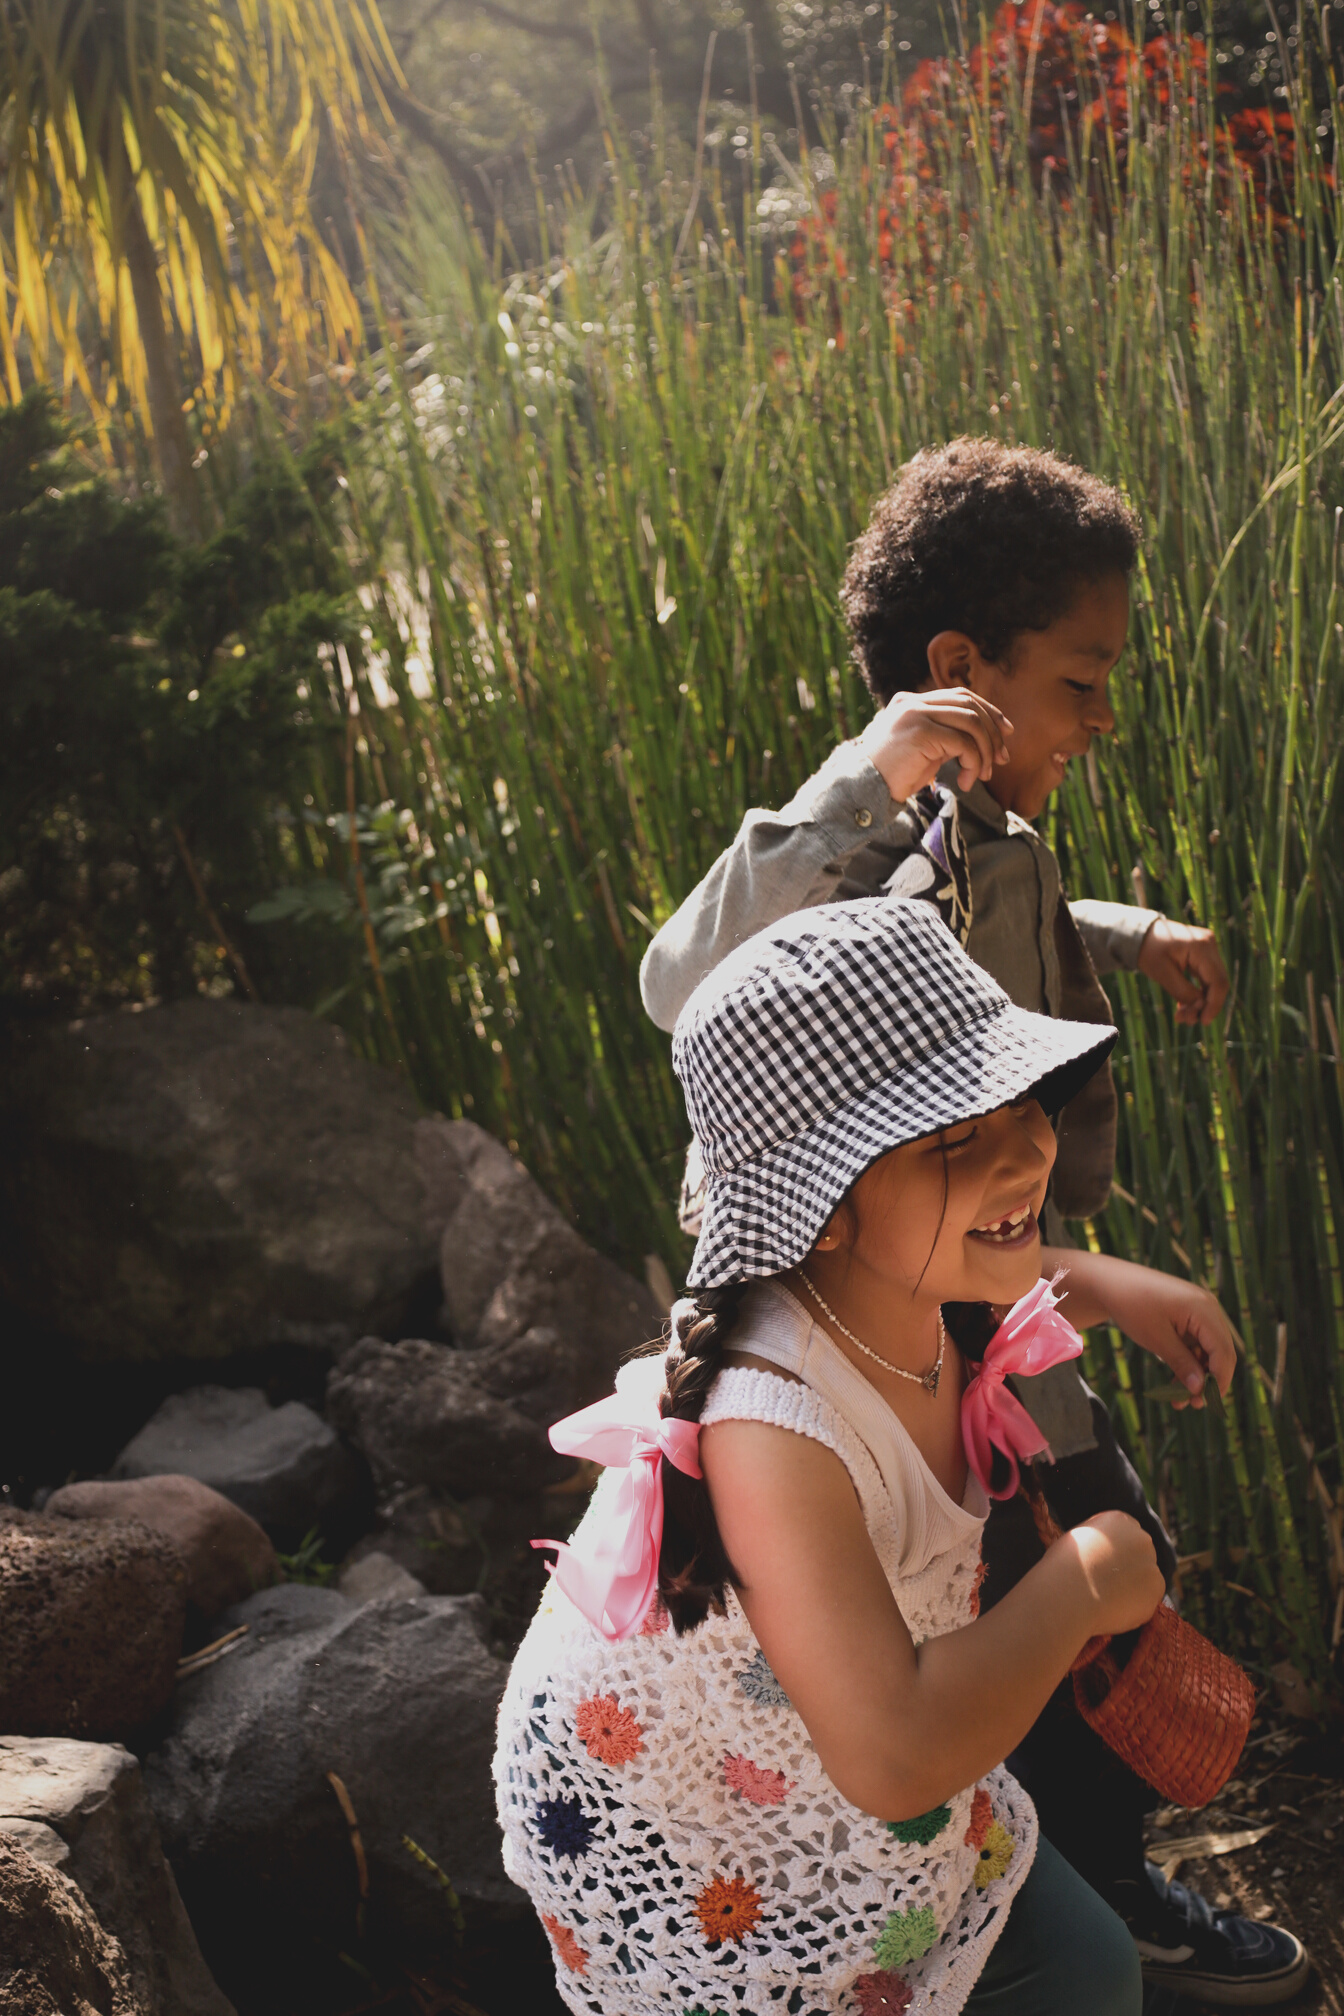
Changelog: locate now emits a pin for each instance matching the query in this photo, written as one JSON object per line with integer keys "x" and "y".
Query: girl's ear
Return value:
{"x": 838, "y": 1232}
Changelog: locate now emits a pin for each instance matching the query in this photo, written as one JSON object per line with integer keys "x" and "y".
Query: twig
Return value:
{"x": 208, "y": 911}
{"x": 208, "y": 1654}
{"x": 356, "y": 1839}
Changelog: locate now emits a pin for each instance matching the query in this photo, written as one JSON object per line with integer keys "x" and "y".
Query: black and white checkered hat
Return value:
{"x": 830, "y": 1038}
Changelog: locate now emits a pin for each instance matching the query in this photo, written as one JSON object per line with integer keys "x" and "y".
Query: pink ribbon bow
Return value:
{"x": 1032, "y": 1337}
{"x": 613, "y": 1577}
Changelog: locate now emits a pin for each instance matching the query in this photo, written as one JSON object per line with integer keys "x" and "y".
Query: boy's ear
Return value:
{"x": 953, "y": 660}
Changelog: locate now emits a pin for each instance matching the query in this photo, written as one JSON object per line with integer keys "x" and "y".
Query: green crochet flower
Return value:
{"x": 907, "y": 1935}
{"x": 925, "y": 1827}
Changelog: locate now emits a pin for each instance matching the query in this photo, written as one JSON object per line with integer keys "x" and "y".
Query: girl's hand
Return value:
{"x": 1184, "y": 958}
{"x": 1178, "y": 1321}
{"x": 916, "y": 733}
{"x": 1119, "y": 1563}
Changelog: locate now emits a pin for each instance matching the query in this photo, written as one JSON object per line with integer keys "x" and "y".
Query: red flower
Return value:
{"x": 610, "y": 1732}
{"x": 763, "y": 1788}
{"x": 883, "y": 1994}
{"x": 982, "y": 1818}
{"x": 727, "y": 1910}
{"x": 566, "y": 1945}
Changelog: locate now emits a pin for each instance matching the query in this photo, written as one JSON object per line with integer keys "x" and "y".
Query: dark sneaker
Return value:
{"x": 1211, "y": 1956}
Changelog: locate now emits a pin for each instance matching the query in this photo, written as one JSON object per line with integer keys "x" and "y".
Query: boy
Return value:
{"x": 988, "y": 603}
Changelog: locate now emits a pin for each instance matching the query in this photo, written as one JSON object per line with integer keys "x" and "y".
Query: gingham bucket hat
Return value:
{"x": 830, "y": 1038}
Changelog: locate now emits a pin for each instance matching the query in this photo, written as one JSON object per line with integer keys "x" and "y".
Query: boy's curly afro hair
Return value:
{"x": 981, "y": 538}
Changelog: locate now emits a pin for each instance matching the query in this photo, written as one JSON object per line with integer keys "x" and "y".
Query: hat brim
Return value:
{"x": 765, "y": 1215}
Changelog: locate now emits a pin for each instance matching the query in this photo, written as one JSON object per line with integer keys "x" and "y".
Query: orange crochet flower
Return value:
{"x": 981, "y": 1571}
{"x": 763, "y": 1788}
{"x": 610, "y": 1731}
{"x": 982, "y": 1818}
{"x": 566, "y": 1945}
{"x": 656, "y": 1619}
{"x": 727, "y": 1910}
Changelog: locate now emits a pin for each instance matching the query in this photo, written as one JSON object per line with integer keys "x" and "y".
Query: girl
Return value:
{"x": 749, "y": 1753}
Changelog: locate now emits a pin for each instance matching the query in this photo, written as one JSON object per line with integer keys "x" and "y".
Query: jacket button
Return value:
{"x": 863, "y": 817}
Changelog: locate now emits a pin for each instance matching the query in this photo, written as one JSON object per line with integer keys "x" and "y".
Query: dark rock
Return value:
{"x": 510, "y": 1264}
{"x": 89, "y": 1800}
{"x": 206, "y": 1177}
{"x": 398, "y": 1698}
{"x": 55, "y": 1958}
{"x": 542, "y": 1321}
{"x": 283, "y": 1465}
{"x": 423, "y": 1414}
{"x": 93, "y": 1618}
{"x": 227, "y": 1554}
{"x": 374, "y": 1577}
{"x": 446, "y": 1546}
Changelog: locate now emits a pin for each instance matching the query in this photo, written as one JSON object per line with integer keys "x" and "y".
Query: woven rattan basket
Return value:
{"x": 1177, "y": 1712}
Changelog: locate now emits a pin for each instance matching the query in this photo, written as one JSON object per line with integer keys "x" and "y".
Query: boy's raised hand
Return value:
{"x": 1185, "y": 960}
{"x": 916, "y": 733}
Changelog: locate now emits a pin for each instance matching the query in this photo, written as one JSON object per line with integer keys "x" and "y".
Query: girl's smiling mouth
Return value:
{"x": 1014, "y": 1229}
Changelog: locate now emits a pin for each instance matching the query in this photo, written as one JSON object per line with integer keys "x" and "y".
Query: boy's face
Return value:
{"x": 1051, "y": 685}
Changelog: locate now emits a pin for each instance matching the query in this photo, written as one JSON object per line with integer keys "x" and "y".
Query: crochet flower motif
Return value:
{"x": 763, "y": 1788}
{"x": 981, "y": 1571}
{"x": 879, "y": 1993}
{"x": 566, "y": 1945}
{"x": 564, "y": 1827}
{"x": 727, "y": 1909}
{"x": 982, "y": 1817}
{"x": 995, "y": 1855}
{"x": 610, "y": 1732}
{"x": 925, "y": 1827}
{"x": 907, "y": 1935}
{"x": 759, "y": 1684}
{"x": 657, "y": 1619}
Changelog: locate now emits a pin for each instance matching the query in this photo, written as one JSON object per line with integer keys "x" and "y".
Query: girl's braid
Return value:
{"x": 693, "y": 1569}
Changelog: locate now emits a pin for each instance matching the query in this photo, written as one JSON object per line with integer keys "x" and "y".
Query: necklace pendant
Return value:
{"x": 930, "y": 1380}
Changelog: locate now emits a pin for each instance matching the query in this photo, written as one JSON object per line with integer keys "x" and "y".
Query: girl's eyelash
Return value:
{"x": 964, "y": 1142}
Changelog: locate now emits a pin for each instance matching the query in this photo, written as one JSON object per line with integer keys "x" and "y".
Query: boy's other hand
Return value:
{"x": 1180, "y": 1323}
{"x": 1185, "y": 960}
{"x": 916, "y": 733}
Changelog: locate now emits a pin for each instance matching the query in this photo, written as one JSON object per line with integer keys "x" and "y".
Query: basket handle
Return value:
{"x": 1097, "y": 1650}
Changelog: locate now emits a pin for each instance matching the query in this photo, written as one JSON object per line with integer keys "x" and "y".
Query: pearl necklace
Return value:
{"x": 928, "y": 1380}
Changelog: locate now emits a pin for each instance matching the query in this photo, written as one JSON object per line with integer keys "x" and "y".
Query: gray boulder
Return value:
{"x": 284, "y": 1466}
{"x": 374, "y": 1577}
{"x": 398, "y": 1698}
{"x": 511, "y": 1264}
{"x": 55, "y": 1958}
{"x": 427, "y": 1414}
{"x": 85, "y": 1804}
{"x": 207, "y": 1177}
{"x": 445, "y": 1545}
{"x": 540, "y": 1320}
{"x": 93, "y": 1618}
{"x": 226, "y": 1553}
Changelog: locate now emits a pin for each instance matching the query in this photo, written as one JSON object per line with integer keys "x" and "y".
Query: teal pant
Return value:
{"x": 1062, "y": 1953}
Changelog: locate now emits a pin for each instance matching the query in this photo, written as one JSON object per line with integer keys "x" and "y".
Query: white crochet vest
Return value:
{"x": 663, "y": 1805}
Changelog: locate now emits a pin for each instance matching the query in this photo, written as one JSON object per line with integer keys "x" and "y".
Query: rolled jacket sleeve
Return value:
{"x": 835, "y": 838}
{"x": 1113, "y": 933}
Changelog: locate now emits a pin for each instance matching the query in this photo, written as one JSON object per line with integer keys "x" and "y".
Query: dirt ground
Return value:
{"x": 1293, "y": 1786}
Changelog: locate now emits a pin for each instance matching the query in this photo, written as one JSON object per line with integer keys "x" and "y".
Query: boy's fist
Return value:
{"x": 916, "y": 733}
{"x": 1185, "y": 960}
{"x": 1120, "y": 1565}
